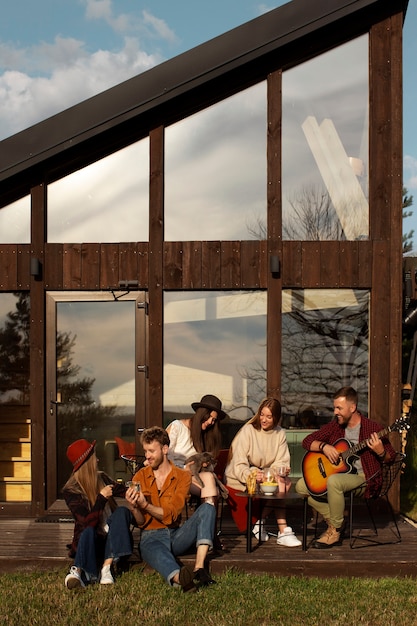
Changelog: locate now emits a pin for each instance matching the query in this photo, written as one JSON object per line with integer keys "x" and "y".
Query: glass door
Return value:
{"x": 96, "y": 378}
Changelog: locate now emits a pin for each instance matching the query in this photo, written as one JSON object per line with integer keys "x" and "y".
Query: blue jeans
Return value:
{"x": 93, "y": 548}
{"x": 160, "y": 547}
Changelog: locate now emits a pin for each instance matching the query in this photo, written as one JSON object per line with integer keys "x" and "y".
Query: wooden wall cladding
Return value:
{"x": 14, "y": 267}
{"x": 326, "y": 264}
{"x": 215, "y": 265}
{"x": 95, "y": 266}
{"x": 192, "y": 265}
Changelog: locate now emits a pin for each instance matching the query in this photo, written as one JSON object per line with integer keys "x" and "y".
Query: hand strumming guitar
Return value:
{"x": 332, "y": 454}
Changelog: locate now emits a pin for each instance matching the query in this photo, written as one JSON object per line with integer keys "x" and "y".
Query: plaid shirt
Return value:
{"x": 332, "y": 432}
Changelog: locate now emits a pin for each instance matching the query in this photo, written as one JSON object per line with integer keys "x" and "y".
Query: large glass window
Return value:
{"x": 15, "y": 222}
{"x": 95, "y": 377}
{"x": 14, "y": 348}
{"x": 325, "y": 146}
{"x": 325, "y": 336}
{"x": 214, "y": 342}
{"x": 215, "y": 171}
{"x": 15, "y": 422}
{"x": 105, "y": 202}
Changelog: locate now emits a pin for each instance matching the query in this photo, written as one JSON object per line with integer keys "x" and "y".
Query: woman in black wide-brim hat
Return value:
{"x": 199, "y": 433}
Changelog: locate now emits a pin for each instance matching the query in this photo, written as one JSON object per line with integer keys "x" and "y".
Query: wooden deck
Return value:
{"x": 30, "y": 545}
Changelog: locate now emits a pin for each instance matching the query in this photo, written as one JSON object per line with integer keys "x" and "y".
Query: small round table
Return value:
{"x": 279, "y": 498}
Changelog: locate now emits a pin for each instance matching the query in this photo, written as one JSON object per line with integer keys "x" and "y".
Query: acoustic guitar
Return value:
{"x": 317, "y": 468}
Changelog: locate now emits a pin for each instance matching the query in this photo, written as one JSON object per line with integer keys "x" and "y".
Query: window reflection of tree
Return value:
{"x": 323, "y": 350}
{"x": 78, "y": 415}
{"x": 78, "y": 412}
{"x": 14, "y": 353}
{"x": 312, "y": 217}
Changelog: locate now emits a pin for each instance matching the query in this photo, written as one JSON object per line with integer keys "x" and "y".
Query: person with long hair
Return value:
{"x": 261, "y": 443}
{"x": 199, "y": 433}
{"x": 101, "y": 528}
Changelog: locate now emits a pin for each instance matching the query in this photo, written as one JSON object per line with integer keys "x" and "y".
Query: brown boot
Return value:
{"x": 331, "y": 537}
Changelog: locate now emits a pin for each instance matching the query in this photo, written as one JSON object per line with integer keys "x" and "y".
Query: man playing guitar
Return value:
{"x": 326, "y": 474}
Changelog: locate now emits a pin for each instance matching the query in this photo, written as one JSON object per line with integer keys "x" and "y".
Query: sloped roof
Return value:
{"x": 125, "y": 113}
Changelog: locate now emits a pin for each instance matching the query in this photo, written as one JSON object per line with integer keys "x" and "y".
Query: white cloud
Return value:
{"x": 410, "y": 173}
{"x": 103, "y": 10}
{"x": 76, "y": 76}
{"x": 148, "y": 25}
{"x": 99, "y": 9}
{"x": 264, "y": 8}
{"x": 160, "y": 27}
{"x": 41, "y": 80}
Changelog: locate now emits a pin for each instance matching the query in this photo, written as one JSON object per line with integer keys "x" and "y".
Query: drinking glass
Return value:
{"x": 281, "y": 474}
{"x": 251, "y": 483}
{"x": 268, "y": 475}
{"x": 134, "y": 484}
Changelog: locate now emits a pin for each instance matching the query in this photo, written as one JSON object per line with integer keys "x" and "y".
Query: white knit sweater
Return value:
{"x": 255, "y": 448}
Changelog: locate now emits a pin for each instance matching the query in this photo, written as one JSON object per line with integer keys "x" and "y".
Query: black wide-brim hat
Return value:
{"x": 212, "y": 403}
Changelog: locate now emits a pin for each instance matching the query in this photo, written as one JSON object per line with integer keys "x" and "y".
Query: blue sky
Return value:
{"x": 55, "y": 53}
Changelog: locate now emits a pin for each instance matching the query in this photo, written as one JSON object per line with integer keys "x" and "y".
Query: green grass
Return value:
{"x": 238, "y": 599}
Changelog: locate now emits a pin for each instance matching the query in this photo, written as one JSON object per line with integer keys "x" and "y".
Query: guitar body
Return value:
{"x": 317, "y": 468}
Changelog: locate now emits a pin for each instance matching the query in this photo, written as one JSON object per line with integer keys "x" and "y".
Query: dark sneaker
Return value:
{"x": 203, "y": 578}
{"x": 186, "y": 576}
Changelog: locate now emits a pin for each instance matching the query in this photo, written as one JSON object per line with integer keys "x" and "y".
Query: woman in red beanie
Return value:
{"x": 102, "y": 529}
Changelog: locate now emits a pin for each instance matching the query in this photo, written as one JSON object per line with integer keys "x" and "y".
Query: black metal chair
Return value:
{"x": 389, "y": 473}
{"x": 127, "y": 452}
{"x": 133, "y": 462}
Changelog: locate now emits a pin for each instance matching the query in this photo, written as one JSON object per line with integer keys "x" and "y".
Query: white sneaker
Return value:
{"x": 106, "y": 578}
{"x": 288, "y": 539}
{"x": 255, "y": 531}
{"x": 73, "y": 579}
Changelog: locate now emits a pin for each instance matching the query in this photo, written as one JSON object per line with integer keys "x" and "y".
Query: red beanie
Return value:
{"x": 79, "y": 451}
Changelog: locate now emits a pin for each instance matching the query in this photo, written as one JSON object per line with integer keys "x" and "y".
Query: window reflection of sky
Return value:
{"x": 7, "y": 305}
{"x": 332, "y": 86}
{"x": 105, "y": 341}
{"x": 215, "y": 170}
{"x": 15, "y": 222}
{"x": 107, "y": 201}
{"x": 221, "y": 344}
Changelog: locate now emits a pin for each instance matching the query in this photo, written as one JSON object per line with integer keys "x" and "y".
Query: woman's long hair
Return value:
{"x": 86, "y": 480}
{"x": 274, "y": 406}
{"x": 209, "y": 440}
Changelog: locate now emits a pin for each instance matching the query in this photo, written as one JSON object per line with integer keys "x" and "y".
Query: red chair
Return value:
{"x": 125, "y": 447}
{"x": 238, "y": 506}
{"x": 222, "y": 458}
{"x": 127, "y": 452}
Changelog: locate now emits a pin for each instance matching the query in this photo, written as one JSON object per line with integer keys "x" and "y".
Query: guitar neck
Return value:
{"x": 362, "y": 444}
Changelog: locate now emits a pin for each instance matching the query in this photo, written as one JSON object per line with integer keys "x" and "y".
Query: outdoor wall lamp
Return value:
{"x": 35, "y": 267}
{"x": 274, "y": 265}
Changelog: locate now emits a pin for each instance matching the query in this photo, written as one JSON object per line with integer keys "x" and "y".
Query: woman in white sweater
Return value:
{"x": 261, "y": 443}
